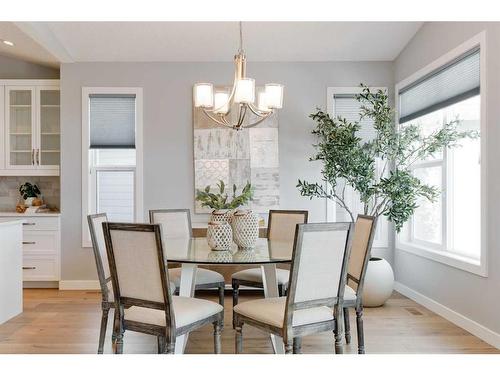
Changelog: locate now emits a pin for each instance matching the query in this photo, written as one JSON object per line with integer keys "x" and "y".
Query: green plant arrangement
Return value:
{"x": 350, "y": 162}
{"x": 28, "y": 190}
{"x": 220, "y": 200}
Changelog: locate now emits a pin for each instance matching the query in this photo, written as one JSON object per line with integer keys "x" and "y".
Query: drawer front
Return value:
{"x": 40, "y": 242}
{"x": 40, "y": 269}
{"x": 40, "y": 223}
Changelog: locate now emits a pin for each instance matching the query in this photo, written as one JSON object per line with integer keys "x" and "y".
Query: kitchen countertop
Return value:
{"x": 41, "y": 214}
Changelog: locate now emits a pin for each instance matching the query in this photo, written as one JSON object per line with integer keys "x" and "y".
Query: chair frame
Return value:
{"x": 357, "y": 304}
{"x": 104, "y": 282}
{"x": 221, "y": 286}
{"x": 166, "y": 335}
{"x": 291, "y": 335}
{"x": 236, "y": 283}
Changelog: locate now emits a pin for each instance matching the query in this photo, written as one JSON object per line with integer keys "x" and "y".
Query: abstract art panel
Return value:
{"x": 236, "y": 157}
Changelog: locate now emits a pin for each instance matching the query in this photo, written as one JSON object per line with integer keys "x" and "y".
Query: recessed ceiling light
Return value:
{"x": 8, "y": 42}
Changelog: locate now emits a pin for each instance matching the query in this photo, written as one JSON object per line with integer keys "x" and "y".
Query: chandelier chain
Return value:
{"x": 241, "y": 36}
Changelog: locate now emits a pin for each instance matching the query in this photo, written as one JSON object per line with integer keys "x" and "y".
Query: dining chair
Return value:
{"x": 316, "y": 289}
{"x": 362, "y": 240}
{"x": 103, "y": 274}
{"x": 281, "y": 227}
{"x": 176, "y": 223}
{"x": 140, "y": 284}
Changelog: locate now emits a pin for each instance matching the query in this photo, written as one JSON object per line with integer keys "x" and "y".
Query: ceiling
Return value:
{"x": 52, "y": 42}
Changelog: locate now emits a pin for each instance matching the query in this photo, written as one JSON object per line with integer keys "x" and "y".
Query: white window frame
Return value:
{"x": 430, "y": 252}
{"x": 87, "y": 179}
{"x": 381, "y": 241}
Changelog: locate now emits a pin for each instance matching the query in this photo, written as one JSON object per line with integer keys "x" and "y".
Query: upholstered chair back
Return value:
{"x": 99, "y": 248}
{"x": 282, "y": 224}
{"x": 137, "y": 263}
{"x": 319, "y": 264}
{"x": 176, "y": 223}
{"x": 362, "y": 239}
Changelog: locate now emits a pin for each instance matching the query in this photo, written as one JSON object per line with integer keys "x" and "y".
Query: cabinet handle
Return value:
{"x": 33, "y": 157}
{"x": 28, "y": 223}
{"x": 29, "y": 242}
{"x": 29, "y": 268}
{"x": 38, "y": 156}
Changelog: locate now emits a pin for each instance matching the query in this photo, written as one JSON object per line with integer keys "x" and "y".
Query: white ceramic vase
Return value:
{"x": 219, "y": 235}
{"x": 379, "y": 282}
{"x": 221, "y": 256}
{"x": 245, "y": 226}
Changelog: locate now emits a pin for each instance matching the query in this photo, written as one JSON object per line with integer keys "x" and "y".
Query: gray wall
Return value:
{"x": 11, "y": 68}
{"x": 470, "y": 295}
{"x": 168, "y": 131}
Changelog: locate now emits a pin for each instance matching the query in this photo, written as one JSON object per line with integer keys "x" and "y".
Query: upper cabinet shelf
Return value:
{"x": 30, "y": 121}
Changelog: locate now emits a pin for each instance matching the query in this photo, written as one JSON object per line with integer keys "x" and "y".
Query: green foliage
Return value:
{"x": 350, "y": 162}
{"x": 27, "y": 190}
{"x": 219, "y": 200}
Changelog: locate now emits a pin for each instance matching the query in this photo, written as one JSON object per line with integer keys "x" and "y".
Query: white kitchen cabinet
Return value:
{"x": 31, "y": 125}
{"x": 41, "y": 245}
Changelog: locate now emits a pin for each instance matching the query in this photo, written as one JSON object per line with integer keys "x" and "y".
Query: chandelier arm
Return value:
{"x": 258, "y": 112}
{"x": 243, "y": 112}
{"x": 257, "y": 123}
{"x": 216, "y": 120}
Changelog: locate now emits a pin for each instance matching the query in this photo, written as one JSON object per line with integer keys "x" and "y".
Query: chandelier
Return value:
{"x": 219, "y": 104}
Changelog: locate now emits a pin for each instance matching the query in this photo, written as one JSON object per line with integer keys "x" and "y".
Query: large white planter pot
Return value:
{"x": 379, "y": 282}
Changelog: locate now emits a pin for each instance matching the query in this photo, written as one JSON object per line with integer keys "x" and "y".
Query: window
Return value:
{"x": 342, "y": 102}
{"x": 111, "y": 154}
{"x": 449, "y": 229}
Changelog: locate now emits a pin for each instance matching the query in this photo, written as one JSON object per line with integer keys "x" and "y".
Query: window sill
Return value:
{"x": 463, "y": 263}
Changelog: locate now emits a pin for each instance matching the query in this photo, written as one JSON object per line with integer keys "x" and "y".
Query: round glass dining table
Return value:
{"x": 191, "y": 252}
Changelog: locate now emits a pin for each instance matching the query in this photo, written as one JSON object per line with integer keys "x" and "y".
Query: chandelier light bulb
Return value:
{"x": 204, "y": 95}
{"x": 262, "y": 102}
{"x": 245, "y": 91}
{"x": 274, "y": 95}
{"x": 221, "y": 102}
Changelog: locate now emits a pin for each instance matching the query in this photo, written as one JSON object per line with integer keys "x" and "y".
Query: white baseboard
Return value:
{"x": 79, "y": 285}
{"x": 484, "y": 333}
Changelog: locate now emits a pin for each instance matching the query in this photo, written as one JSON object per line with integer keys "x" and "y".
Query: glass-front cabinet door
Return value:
{"x": 48, "y": 151}
{"x": 21, "y": 127}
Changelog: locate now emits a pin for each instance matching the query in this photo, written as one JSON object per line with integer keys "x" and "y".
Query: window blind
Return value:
{"x": 455, "y": 81}
{"x": 112, "y": 121}
{"x": 346, "y": 106}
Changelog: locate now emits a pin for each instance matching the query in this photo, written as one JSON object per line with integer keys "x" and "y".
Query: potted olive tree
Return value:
{"x": 392, "y": 191}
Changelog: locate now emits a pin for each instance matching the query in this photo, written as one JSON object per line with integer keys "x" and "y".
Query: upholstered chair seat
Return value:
{"x": 203, "y": 276}
{"x": 272, "y": 311}
{"x": 186, "y": 310}
{"x": 255, "y": 275}
{"x": 349, "y": 294}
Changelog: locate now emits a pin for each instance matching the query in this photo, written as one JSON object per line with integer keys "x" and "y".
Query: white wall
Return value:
{"x": 467, "y": 294}
{"x": 168, "y": 131}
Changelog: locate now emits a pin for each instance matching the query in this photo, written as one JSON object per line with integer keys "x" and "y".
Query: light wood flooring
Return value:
{"x": 56, "y": 321}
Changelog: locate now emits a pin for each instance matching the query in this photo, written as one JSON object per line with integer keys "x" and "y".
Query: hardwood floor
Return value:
{"x": 68, "y": 322}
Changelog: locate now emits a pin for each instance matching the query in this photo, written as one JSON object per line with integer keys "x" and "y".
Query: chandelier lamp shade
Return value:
{"x": 218, "y": 104}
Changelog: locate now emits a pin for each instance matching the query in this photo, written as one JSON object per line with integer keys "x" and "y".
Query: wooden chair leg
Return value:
{"x": 115, "y": 326}
{"x": 238, "y": 343}
{"x": 359, "y": 327}
{"x": 338, "y": 332}
{"x": 297, "y": 345}
{"x": 217, "y": 343}
{"x": 221, "y": 294}
{"x": 102, "y": 333}
{"x": 236, "y": 290}
{"x": 162, "y": 342}
{"x": 347, "y": 325}
{"x": 289, "y": 347}
{"x": 170, "y": 347}
{"x": 119, "y": 343}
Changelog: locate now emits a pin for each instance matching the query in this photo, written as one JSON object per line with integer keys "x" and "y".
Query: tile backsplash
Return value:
{"x": 50, "y": 187}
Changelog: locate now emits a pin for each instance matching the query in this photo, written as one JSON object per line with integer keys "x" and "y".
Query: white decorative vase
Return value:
{"x": 379, "y": 282}
{"x": 29, "y": 201}
{"x": 221, "y": 216}
{"x": 219, "y": 235}
{"x": 245, "y": 226}
{"x": 244, "y": 256}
